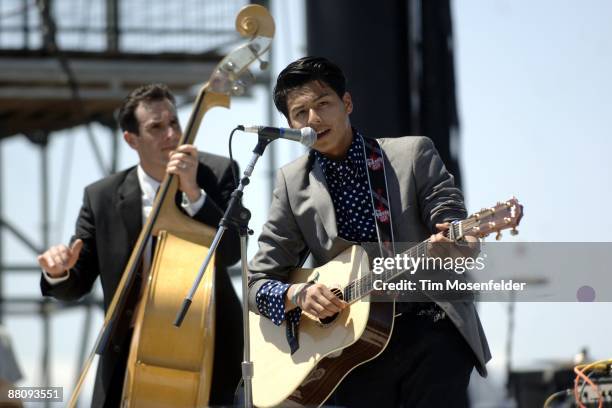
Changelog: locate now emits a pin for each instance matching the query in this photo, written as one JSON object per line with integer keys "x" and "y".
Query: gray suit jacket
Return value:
{"x": 302, "y": 220}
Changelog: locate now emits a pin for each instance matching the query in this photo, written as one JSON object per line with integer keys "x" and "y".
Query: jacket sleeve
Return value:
{"x": 439, "y": 199}
{"x": 281, "y": 244}
{"x": 86, "y": 270}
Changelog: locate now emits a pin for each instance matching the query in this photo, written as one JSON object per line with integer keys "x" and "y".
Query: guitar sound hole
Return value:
{"x": 330, "y": 319}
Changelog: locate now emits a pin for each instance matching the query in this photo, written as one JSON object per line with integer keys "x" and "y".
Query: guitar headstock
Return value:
{"x": 504, "y": 215}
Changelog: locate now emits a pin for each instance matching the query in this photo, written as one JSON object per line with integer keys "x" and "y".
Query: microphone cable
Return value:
{"x": 236, "y": 181}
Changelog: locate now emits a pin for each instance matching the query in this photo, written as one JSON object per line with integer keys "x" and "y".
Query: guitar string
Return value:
{"x": 353, "y": 291}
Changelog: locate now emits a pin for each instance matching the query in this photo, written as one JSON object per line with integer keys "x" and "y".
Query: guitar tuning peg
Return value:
{"x": 498, "y": 236}
{"x": 514, "y": 231}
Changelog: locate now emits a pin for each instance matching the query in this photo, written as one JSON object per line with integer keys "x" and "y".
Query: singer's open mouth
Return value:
{"x": 322, "y": 134}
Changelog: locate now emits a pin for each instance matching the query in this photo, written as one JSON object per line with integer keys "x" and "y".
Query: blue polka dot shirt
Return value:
{"x": 347, "y": 182}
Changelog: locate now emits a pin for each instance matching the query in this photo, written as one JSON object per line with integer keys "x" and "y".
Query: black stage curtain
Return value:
{"x": 398, "y": 58}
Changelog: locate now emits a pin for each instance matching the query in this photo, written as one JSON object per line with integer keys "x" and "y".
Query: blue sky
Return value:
{"x": 534, "y": 102}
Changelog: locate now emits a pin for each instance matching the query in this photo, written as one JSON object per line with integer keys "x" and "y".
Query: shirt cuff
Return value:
{"x": 193, "y": 208}
{"x": 270, "y": 300}
{"x": 54, "y": 281}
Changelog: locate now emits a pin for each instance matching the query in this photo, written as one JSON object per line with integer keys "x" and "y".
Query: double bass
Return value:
{"x": 169, "y": 366}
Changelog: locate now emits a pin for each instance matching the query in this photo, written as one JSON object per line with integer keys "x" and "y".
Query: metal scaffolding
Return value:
{"x": 68, "y": 63}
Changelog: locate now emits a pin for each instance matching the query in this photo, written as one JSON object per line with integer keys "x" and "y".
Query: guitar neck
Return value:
{"x": 363, "y": 286}
{"x": 504, "y": 215}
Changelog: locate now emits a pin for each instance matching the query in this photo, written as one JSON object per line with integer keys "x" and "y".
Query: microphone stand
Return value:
{"x": 237, "y": 216}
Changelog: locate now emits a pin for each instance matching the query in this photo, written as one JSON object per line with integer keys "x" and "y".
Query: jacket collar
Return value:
{"x": 319, "y": 193}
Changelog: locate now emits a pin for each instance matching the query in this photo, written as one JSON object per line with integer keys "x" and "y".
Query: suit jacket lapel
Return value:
{"x": 129, "y": 205}
{"x": 322, "y": 200}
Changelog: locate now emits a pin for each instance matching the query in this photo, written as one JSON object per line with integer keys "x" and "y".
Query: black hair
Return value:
{"x": 147, "y": 93}
{"x": 305, "y": 70}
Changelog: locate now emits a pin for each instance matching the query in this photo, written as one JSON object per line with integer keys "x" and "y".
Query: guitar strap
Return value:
{"x": 381, "y": 205}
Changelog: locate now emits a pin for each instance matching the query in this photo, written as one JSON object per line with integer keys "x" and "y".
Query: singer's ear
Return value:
{"x": 348, "y": 103}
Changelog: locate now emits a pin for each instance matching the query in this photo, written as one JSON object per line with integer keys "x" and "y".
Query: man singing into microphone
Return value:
{"x": 323, "y": 203}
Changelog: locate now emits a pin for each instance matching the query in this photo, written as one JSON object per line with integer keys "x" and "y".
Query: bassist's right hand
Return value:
{"x": 318, "y": 301}
{"x": 58, "y": 259}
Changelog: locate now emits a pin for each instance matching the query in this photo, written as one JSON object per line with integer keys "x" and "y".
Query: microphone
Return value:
{"x": 306, "y": 136}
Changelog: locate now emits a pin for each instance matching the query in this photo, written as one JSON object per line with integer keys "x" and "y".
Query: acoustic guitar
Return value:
{"x": 332, "y": 347}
